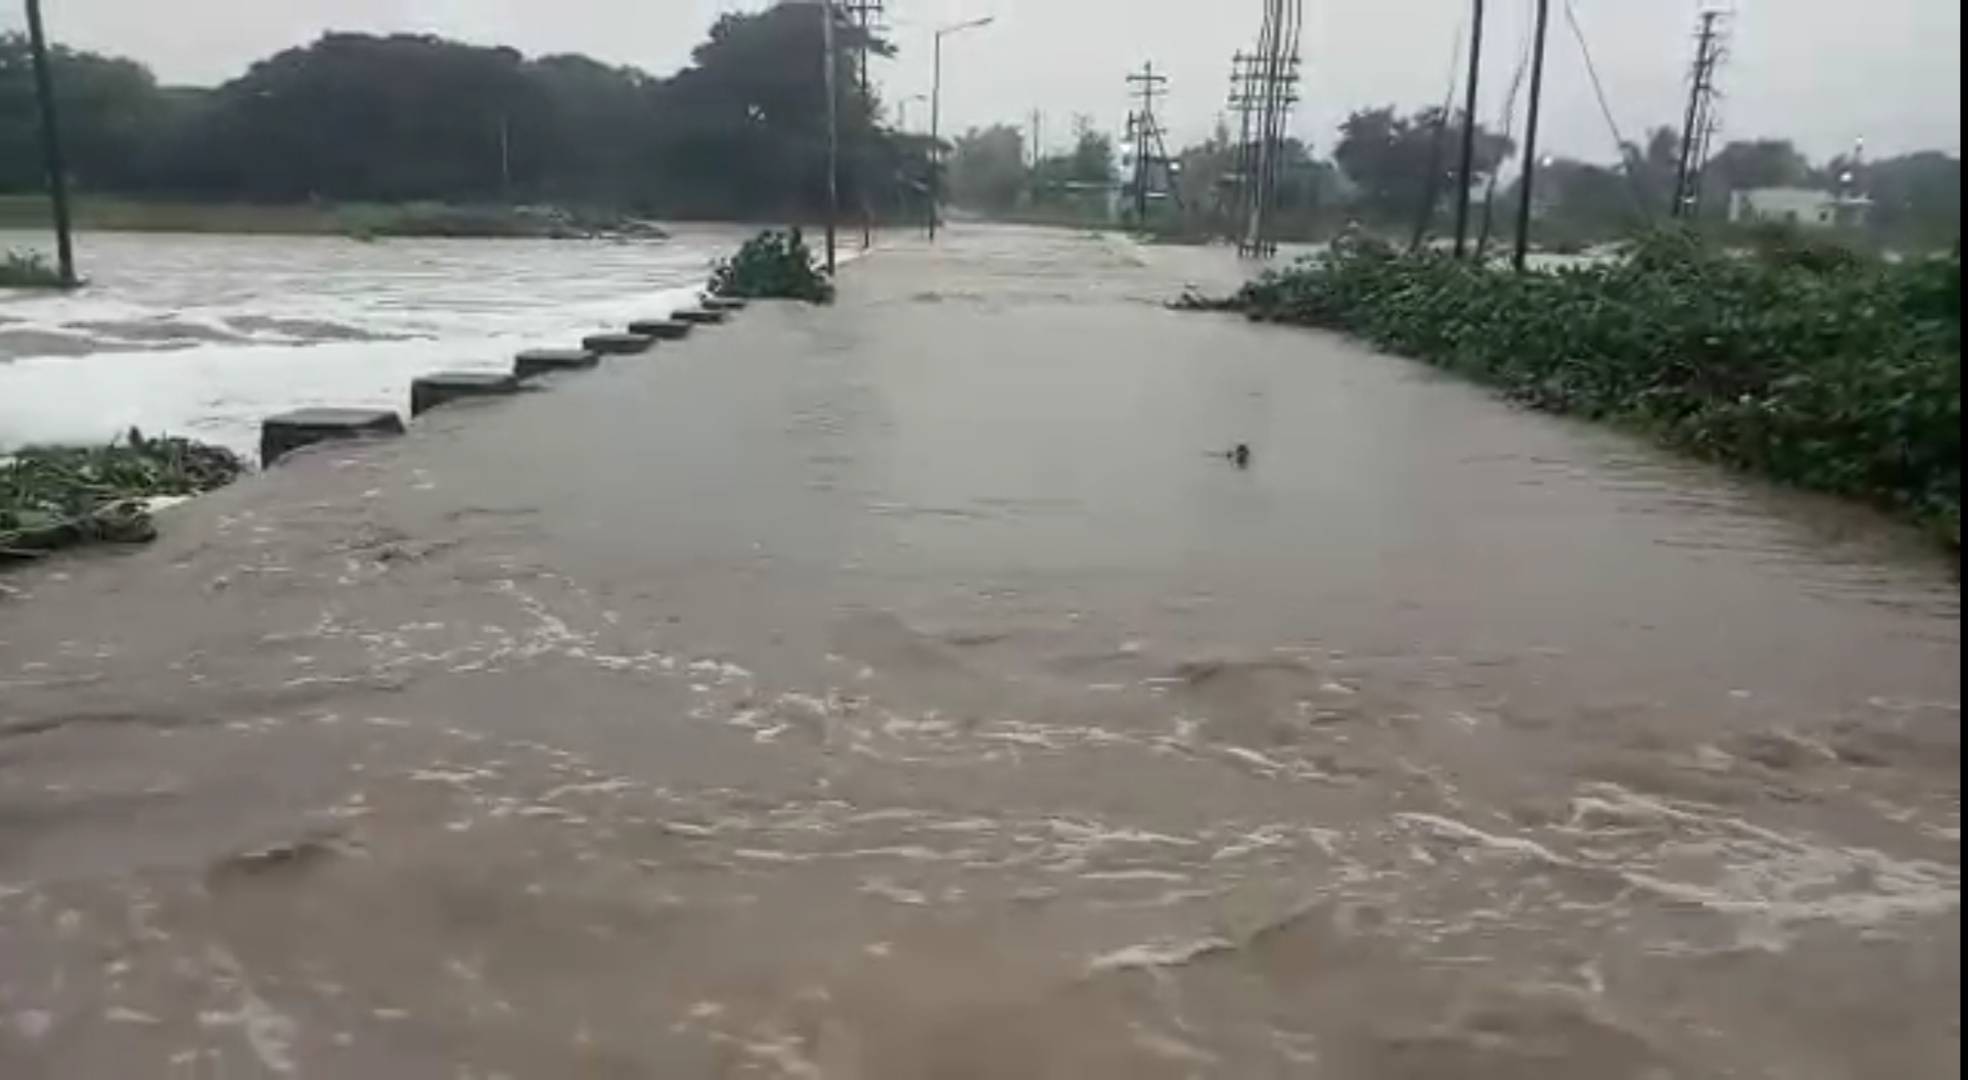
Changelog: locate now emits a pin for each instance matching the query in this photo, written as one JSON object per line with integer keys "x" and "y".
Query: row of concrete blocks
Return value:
{"x": 284, "y": 434}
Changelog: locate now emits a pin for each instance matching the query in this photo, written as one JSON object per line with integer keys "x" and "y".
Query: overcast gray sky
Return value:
{"x": 1823, "y": 71}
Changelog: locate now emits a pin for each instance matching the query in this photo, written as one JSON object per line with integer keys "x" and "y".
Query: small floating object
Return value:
{"x": 617, "y": 344}
{"x": 699, "y": 317}
{"x": 434, "y": 391}
{"x": 541, "y": 361}
{"x": 288, "y": 432}
{"x": 661, "y": 329}
{"x": 1240, "y": 455}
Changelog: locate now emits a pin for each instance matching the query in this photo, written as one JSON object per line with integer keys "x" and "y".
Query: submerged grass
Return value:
{"x": 1822, "y": 369}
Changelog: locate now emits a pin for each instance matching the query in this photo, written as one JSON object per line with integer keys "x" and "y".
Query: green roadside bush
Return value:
{"x": 773, "y": 265}
{"x": 1820, "y": 368}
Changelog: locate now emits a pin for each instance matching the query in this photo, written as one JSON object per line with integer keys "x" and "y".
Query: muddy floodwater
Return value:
{"x": 911, "y": 690}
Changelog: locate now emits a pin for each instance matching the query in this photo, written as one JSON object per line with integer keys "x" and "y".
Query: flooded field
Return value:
{"x": 206, "y": 335}
{"x": 910, "y": 689}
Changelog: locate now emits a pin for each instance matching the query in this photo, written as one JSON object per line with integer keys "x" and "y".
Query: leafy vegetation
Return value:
{"x": 29, "y": 271}
{"x": 58, "y": 497}
{"x": 737, "y": 134}
{"x": 1818, "y": 368}
{"x": 774, "y": 266}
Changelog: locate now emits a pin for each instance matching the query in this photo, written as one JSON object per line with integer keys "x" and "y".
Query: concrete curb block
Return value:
{"x": 536, "y": 362}
{"x": 444, "y": 387}
{"x": 617, "y": 344}
{"x": 699, "y": 317}
{"x": 661, "y": 329}
{"x": 282, "y": 435}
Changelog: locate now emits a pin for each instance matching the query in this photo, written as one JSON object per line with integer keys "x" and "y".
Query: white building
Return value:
{"x": 1806, "y": 207}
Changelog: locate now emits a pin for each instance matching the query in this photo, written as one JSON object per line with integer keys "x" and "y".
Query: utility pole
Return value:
{"x": 1264, "y": 92}
{"x": 1467, "y": 172}
{"x": 830, "y": 47}
{"x": 865, "y": 15}
{"x": 51, "y": 145}
{"x": 1698, "y": 130}
{"x": 1527, "y": 205}
{"x": 1148, "y": 89}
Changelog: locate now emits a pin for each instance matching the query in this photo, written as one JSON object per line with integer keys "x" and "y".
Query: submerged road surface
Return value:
{"x": 910, "y": 690}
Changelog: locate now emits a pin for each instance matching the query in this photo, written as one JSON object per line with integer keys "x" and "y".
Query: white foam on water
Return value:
{"x": 207, "y": 336}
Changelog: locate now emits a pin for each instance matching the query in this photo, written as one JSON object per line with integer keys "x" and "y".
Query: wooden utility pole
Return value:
{"x": 1527, "y": 201}
{"x": 830, "y": 47}
{"x": 1470, "y": 102}
{"x": 51, "y": 145}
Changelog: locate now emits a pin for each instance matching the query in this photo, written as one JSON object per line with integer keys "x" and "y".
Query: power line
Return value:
{"x": 1509, "y": 133}
{"x": 1145, "y": 131}
{"x": 1431, "y": 191}
{"x": 1606, "y": 108}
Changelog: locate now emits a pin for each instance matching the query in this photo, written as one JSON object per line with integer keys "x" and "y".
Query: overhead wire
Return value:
{"x": 1431, "y": 193}
{"x": 1606, "y": 110}
{"x": 1509, "y": 132}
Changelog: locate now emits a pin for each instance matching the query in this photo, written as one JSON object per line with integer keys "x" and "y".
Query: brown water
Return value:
{"x": 908, "y": 690}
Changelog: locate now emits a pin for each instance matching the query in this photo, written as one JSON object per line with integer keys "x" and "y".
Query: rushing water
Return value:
{"x": 910, "y": 689}
{"x": 207, "y": 335}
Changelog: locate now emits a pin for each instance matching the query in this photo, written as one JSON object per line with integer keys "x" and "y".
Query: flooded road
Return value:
{"x": 910, "y": 690}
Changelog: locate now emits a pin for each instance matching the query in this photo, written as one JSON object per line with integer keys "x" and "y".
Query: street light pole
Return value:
{"x": 51, "y": 146}
{"x": 936, "y": 119}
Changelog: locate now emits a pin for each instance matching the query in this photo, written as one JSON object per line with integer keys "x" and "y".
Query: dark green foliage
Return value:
{"x": 56, "y": 497}
{"x": 356, "y": 118}
{"x": 773, "y": 266}
{"x": 1835, "y": 373}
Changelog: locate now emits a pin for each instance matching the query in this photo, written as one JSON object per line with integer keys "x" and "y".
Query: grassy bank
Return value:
{"x": 357, "y": 220}
{"x": 1818, "y": 368}
{"x": 30, "y": 271}
{"x": 58, "y": 497}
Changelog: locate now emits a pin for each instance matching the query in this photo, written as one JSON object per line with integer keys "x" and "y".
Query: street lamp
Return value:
{"x": 936, "y": 117}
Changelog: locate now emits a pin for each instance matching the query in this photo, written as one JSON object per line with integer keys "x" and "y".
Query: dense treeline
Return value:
{"x": 739, "y": 133}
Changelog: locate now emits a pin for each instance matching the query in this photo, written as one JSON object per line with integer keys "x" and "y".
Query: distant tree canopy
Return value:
{"x": 739, "y": 133}
{"x": 988, "y": 170}
{"x": 1396, "y": 161}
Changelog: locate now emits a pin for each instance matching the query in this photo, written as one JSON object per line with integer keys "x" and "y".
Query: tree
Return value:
{"x": 1746, "y": 166}
{"x": 1395, "y": 161}
{"x": 987, "y": 169}
{"x": 740, "y": 133}
{"x": 1916, "y": 198}
{"x": 110, "y": 109}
